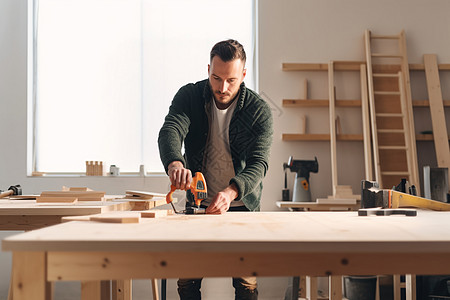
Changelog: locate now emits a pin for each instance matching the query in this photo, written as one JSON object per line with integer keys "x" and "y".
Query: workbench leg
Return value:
{"x": 302, "y": 287}
{"x": 410, "y": 280}
{"x": 397, "y": 286}
{"x": 311, "y": 288}
{"x": 335, "y": 287}
{"x": 91, "y": 290}
{"x": 121, "y": 289}
{"x": 29, "y": 276}
{"x": 105, "y": 289}
{"x": 155, "y": 289}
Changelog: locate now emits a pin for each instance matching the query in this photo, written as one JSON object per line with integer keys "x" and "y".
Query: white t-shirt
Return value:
{"x": 219, "y": 165}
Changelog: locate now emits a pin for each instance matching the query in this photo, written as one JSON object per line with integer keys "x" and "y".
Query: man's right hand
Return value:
{"x": 179, "y": 176}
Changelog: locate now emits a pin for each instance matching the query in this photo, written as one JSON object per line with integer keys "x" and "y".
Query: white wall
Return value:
{"x": 320, "y": 31}
{"x": 289, "y": 31}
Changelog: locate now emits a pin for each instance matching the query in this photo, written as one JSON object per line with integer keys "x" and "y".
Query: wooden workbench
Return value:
{"x": 233, "y": 244}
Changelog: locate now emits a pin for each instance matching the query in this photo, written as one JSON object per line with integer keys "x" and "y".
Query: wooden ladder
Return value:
{"x": 392, "y": 123}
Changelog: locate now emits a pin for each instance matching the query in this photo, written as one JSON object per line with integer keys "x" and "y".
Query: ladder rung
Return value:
{"x": 390, "y": 115}
{"x": 391, "y": 130}
{"x": 387, "y": 55}
{"x": 396, "y": 173}
{"x": 387, "y": 37}
{"x": 392, "y": 147}
{"x": 386, "y": 93}
{"x": 385, "y": 75}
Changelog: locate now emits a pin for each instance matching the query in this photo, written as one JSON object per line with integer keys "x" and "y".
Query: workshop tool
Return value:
{"x": 302, "y": 168}
{"x": 196, "y": 192}
{"x": 285, "y": 192}
{"x": 372, "y": 196}
{"x": 12, "y": 191}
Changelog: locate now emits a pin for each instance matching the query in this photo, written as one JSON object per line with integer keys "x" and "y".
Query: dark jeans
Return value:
{"x": 245, "y": 287}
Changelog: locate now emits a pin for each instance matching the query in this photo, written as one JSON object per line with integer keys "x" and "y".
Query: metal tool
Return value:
{"x": 303, "y": 168}
{"x": 196, "y": 192}
{"x": 372, "y": 196}
{"x": 12, "y": 191}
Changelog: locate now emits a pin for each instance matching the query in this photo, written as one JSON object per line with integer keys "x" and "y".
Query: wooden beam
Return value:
{"x": 437, "y": 111}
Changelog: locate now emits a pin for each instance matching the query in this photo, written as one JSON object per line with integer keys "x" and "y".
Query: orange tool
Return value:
{"x": 196, "y": 192}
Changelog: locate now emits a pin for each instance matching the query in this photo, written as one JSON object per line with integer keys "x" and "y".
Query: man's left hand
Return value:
{"x": 222, "y": 200}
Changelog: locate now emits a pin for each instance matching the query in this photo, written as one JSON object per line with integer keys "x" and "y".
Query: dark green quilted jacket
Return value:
{"x": 250, "y": 135}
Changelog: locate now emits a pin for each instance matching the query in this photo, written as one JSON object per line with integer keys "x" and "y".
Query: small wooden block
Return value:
{"x": 141, "y": 205}
{"x": 157, "y": 213}
{"x": 115, "y": 219}
{"x": 56, "y": 199}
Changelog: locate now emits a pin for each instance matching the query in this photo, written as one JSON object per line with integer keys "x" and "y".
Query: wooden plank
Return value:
{"x": 144, "y": 194}
{"x": 66, "y": 200}
{"x": 437, "y": 111}
{"x": 79, "y": 194}
{"x": 412, "y": 153}
{"x": 368, "y": 167}
{"x": 29, "y": 276}
{"x": 332, "y": 119}
{"x": 372, "y": 107}
{"x": 115, "y": 219}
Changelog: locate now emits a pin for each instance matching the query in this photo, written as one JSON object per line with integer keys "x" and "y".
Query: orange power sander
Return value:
{"x": 196, "y": 192}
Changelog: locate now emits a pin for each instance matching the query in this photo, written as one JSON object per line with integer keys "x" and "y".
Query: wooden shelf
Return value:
{"x": 320, "y": 137}
{"x": 319, "y": 103}
{"x": 354, "y": 66}
{"x": 426, "y": 103}
{"x": 344, "y": 103}
{"x": 340, "y": 137}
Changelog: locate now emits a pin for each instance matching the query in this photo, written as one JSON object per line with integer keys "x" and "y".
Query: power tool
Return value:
{"x": 302, "y": 168}
{"x": 196, "y": 192}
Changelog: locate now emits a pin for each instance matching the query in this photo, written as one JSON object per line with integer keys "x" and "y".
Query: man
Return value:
{"x": 227, "y": 133}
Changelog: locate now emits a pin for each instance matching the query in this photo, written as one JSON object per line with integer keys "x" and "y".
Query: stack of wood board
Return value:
{"x": 70, "y": 196}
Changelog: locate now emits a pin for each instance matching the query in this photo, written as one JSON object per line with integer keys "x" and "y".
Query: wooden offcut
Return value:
{"x": 67, "y": 200}
{"x": 156, "y": 213}
{"x": 116, "y": 219}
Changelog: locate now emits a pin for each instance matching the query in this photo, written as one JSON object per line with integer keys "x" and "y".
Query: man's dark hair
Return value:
{"x": 228, "y": 50}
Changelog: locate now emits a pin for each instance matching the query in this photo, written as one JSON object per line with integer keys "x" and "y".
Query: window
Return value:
{"x": 105, "y": 72}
